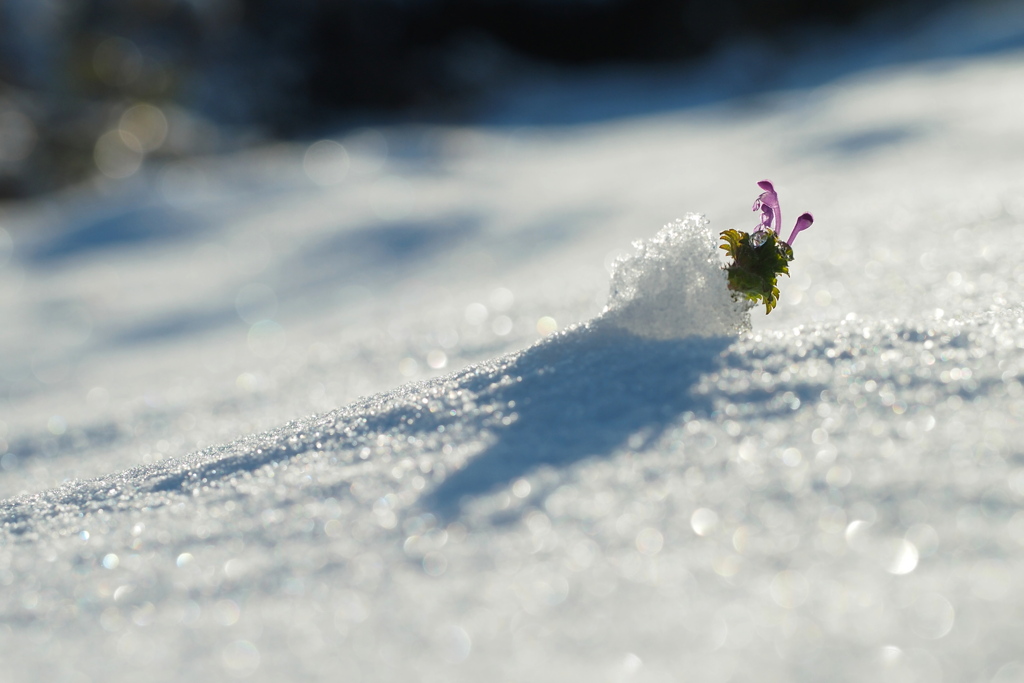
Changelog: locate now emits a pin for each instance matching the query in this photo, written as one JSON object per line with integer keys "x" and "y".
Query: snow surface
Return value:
{"x": 259, "y": 423}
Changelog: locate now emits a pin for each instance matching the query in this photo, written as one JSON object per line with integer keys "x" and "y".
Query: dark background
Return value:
{"x": 227, "y": 73}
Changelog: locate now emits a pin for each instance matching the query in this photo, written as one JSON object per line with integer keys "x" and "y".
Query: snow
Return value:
{"x": 259, "y": 427}
{"x": 674, "y": 287}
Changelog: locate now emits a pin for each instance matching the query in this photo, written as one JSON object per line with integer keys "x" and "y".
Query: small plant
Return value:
{"x": 758, "y": 258}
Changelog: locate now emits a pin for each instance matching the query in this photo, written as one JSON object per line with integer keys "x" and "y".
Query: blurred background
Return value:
{"x": 101, "y": 87}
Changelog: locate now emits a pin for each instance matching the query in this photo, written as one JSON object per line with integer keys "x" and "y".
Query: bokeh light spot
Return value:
{"x": 502, "y": 325}
{"x": 546, "y": 325}
{"x": 266, "y": 339}
{"x": 326, "y": 162}
{"x": 56, "y": 425}
{"x": 454, "y": 644}
{"x": 790, "y": 589}
{"x": 118, "y": 154}
{"x": 437, "y": 359}
{"x": 931, "y": 616}
{"x": 650, "y": 541}
{"x": 903, "y": 558}
{"x": 408, "y": 367}
{"x": 147, "y": 124}
{"x": 703, "y": 521}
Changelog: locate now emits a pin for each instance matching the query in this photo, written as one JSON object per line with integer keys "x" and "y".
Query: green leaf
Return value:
{"x": 754, "y": 272}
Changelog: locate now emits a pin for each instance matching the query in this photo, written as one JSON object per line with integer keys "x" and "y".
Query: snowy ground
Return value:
{"x": 283, "y": 417}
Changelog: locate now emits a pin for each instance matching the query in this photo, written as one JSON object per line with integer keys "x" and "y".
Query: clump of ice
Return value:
{"x": 674, "y": 286}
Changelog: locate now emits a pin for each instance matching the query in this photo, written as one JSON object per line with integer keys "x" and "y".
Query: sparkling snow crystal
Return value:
{"x": 674, "y": 286}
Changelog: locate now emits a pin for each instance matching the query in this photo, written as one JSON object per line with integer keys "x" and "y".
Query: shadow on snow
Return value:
{"x": 581, "y": 395}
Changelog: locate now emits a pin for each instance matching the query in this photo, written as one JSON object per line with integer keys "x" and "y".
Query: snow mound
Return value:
{"x": 674, "y": 287}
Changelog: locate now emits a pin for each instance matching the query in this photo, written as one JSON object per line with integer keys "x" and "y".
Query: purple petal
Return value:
{"x": 802, "y": 224}
{"x": 769, "y": 201}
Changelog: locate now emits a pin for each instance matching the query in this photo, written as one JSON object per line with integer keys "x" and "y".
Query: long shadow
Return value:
{"x": 865, "y": 141}
{"x": 388, "y": 251}
{"x": 381, "y": 252}
{"x": 581, "y": 396}
{"x": 125, "y": 227}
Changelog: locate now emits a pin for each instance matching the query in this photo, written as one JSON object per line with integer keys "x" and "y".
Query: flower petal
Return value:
{"x": 768, "y": 202}
{"x": 802, "y": 223}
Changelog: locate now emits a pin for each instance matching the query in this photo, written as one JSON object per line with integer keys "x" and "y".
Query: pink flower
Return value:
{"x": 768, "y": 204}
{"x": 771, "y": 215}
{"x": 802, "y": 224}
